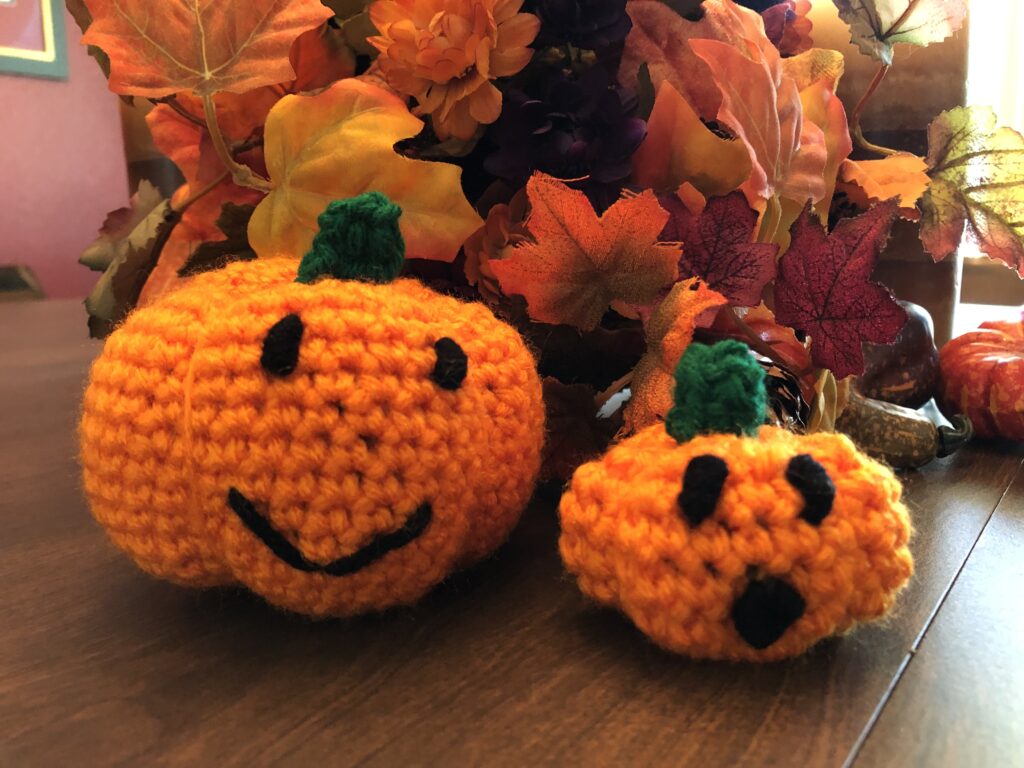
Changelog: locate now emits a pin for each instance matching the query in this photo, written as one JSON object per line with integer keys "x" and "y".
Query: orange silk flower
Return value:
{"x": 445, "y": 53}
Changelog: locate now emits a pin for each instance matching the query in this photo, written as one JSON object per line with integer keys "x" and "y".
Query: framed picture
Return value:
{"x": 32, "y": 38}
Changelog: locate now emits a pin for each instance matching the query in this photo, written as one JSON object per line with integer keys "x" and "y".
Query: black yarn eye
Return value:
{"x": 281, "y": 346}
{"x": 451, "y": 366}
{"x": 810, "y": 478}
{"x": 765, "y": 610}
{"x": 702, "y": 485}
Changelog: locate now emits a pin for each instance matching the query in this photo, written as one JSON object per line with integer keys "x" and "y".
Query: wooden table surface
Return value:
{"x": 506, "y": 664}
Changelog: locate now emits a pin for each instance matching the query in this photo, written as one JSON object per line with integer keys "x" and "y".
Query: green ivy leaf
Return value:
{"x": 977, "y": 172}
{"x": 877, "y": 25}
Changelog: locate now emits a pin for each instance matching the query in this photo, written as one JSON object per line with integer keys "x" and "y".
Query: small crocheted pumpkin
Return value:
{"x": 336, "y": 445}
{"x": 983, "y": 377}
{"x": 723, "y": 540}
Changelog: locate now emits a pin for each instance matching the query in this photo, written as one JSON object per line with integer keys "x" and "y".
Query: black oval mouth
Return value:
{"x": 381, "y": 545}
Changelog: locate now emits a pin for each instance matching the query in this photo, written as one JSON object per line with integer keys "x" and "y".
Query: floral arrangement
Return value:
{"x": 612, "y": 176}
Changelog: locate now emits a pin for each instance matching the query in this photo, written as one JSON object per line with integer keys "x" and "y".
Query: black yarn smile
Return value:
{"x": 343, "y": 566}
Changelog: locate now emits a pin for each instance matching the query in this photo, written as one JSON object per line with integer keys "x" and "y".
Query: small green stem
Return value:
{"x": 243, "y": 175}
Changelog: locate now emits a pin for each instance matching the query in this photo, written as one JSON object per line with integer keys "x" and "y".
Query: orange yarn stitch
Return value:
{"x": 687, "y": 579}
{"x": 339, "y": 457}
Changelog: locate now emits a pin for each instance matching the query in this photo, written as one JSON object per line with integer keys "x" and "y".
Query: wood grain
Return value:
{"x": 506, "y": 664}
{"x": 960, "y": 701}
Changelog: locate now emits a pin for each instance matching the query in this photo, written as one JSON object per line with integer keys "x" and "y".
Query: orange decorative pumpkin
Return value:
{"x": 336, "y": 445}
{"x": 983, "y": 378}
{"x": 723, "y": 539}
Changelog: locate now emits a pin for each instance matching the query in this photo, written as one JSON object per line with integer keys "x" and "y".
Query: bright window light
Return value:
{"x": 995, "y": 69}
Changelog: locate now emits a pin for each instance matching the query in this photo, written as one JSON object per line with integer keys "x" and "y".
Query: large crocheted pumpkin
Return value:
{"x": 337, "y": 445}
{"x": 983, "y": 377}
{"x": 725, "y": 540}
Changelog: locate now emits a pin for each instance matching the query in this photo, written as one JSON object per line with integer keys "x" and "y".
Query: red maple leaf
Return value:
{"x": 824, "y": 288}
{"x": 718, "y": 247}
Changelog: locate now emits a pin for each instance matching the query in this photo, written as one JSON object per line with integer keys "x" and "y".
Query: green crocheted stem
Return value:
{"x": 358, "y": 239}
{"x": 719, "y": 388}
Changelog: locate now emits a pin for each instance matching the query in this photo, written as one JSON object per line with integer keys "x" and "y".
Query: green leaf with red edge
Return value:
{"x": 578, "y": 263}
{"x": 877, "y": 25}
{"x": 824, "y": 288}
{"x": 977, "y": 173}
{"x": 160, "y": 48}
{"x": 719, "y": 247}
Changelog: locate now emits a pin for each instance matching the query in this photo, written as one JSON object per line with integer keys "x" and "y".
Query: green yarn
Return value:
{"x": 358, "y": 240}
{"x": 719, "y": 388}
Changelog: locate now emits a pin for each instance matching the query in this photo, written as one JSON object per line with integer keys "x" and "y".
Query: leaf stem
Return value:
{"x": 858, "y": 112}
{"x": 183, "y": 206}
{"x": 173, "y": 103}
{"x": 243, "y": 175}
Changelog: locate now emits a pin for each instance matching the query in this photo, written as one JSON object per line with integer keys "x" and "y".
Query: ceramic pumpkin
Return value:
{"x": 724, "y": 539}
{"x": 336, "y": 445}
{"x": 983, "y": 377}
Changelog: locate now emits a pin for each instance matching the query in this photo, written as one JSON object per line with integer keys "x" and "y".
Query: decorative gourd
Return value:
{"x": 724, "y": 539}
{"x": 336, "y": 445}
{"x": 905, "y": 372}
{"x": 983, "y": 377}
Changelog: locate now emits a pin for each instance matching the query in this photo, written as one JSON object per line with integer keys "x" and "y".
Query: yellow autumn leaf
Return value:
{"x": 339, "y": 144}
{"x": 872, "y": 181}
{"x": 679, "y": 148}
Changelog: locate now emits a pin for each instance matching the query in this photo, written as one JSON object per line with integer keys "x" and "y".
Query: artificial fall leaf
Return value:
{"x": 787, "y": 25}
{"x": 822, "y": 107}
{"x": 877, "y": 25}
{"x": 669, "y": 332}
{"x": 83, "y": 19}
{"x": 160, "y": 48}
{"x": 680, "y": 148}
{"x": 829, "y": 402}
{"x": 719, "y": 248}
{"x": 189, "y": 146}
{"x": 660, "y": 39}
{"x": 902, "y": 176}
{"x": 320, "y": 57}
{"x": 234, "y": 225}
{"x": 816, "y": 65}
{"x": 977, "y": 173}
{"x": 578, "y": 263}
{"x": 824, "y": 288}
{"x": 339, "y": 144}
{"x": 575, "y": 433}
{"x": 118, "y": 289}
{"x": 113, "y": 241}
{"x": 761, "y": 105}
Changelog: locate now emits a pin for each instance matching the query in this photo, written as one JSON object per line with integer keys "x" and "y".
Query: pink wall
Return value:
{"x": 62, "y": 169}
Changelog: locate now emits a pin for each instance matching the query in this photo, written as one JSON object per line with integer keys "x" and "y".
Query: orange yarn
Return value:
{"x": 623, "y": 535}
{"x": 333, "y": 456}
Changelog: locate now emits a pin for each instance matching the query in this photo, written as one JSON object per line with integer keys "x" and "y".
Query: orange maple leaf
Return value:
{"x": 669, "y": 333}
{"x": 170, "y": 46}
{"x": 578, "y": 263}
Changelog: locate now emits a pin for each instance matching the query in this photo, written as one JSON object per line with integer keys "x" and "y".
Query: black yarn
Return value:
{"x": 702, "y": 485}
{"x": 812, "y": 480}
{"x": 281, "y": 346}
{"x": 381, "y": 545}
{"x": 765, "y": 610}
{"x": 451, "y": 366}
